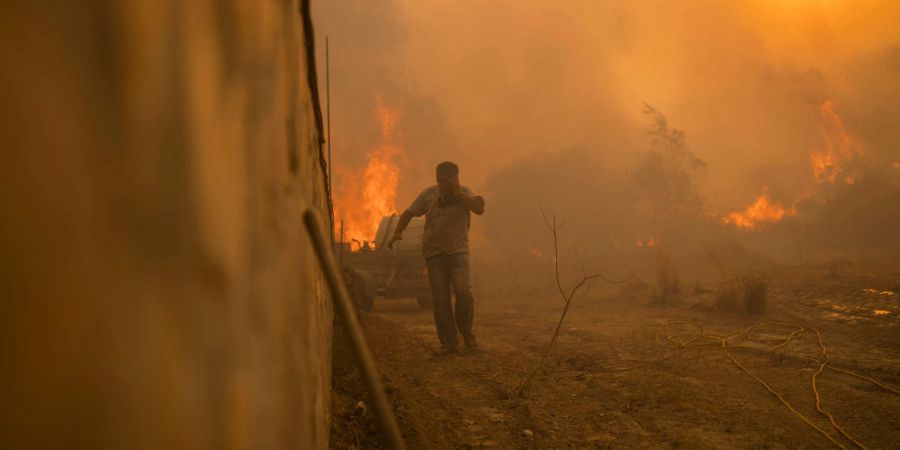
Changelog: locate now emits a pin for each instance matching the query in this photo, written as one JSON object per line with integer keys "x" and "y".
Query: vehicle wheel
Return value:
{"x": 359, "y": 296}
{"x": 425, "y": 303}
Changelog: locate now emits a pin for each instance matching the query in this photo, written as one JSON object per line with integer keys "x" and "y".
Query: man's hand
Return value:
{"x": 454, "y": 182}
{"x": 397, "y": 236}
{"x": 401, "y": 225}
{"x": 451, "y": 192}
{"x": 473, "y": 203}
{"x": 449, "y": 187}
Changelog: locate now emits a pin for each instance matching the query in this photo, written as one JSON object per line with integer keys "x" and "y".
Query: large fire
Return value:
{"x": 837, "y": 147}
{"x": 762, "y": 211}
{"x": 363, "y": 197}
{"x": 828, "y": 162}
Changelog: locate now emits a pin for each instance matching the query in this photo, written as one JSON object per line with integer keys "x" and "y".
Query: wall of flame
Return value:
{"x": 363, "y": 196}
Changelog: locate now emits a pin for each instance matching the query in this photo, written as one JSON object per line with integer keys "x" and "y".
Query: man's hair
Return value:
{"x": 447, "y": 168}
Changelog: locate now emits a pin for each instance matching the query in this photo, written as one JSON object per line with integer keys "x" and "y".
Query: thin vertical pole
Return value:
{"x": 342, "y": 244}
{"x": 328, "y": 116}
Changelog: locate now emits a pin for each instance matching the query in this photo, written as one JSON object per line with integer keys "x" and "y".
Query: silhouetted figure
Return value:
{"x": 445, "y": 245}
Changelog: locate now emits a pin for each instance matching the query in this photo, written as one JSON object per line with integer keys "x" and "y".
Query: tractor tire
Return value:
{"x": 357, "y": 290}
{"x": 425, "y": 303}
{"x": 362, "y": 302}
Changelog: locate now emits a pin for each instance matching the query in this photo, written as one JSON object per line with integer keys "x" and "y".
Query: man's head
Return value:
{"x": 447, "y": 174}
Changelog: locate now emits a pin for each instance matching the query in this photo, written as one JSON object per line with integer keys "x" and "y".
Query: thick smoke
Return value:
{"x": 504, "y": 87}
{"x": 613, "y": 218}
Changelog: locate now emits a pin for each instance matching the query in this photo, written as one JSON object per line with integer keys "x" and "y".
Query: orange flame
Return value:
{"x": 648, "y": 242}
{"x": 364, "y": 197}
{"x": 763, "y": 210}
{"x": 837, "y": 148}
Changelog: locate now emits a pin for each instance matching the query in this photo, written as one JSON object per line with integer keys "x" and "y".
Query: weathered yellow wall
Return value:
{"x": 158, "y": 288}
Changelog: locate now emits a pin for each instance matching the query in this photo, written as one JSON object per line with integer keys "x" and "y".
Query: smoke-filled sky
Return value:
{"x": 486, "y": 83}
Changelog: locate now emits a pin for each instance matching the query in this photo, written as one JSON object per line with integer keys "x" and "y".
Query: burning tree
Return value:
{"x": 666, "y": 189}
{"x": 667, "y": 179}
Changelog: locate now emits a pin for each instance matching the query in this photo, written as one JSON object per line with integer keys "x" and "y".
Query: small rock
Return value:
{"x": 361, "y": 408}
{"x": 527, "y": 433}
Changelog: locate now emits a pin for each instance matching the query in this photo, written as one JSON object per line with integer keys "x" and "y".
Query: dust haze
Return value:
{"x": 731, "y": 169}
{"x": 690, "y": 235}
{"x": 545, "y": 104}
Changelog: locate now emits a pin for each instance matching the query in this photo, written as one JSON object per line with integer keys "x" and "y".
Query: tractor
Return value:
{"x": 374, "y": 271}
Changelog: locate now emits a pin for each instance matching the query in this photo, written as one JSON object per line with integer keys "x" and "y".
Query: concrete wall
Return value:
{"x": 158, "y": 288}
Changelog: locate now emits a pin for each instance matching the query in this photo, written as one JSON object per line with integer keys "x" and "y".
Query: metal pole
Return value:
{"x": 328, "y": 117}
{"x": 387, "y": 423}
{"x": 342, "y": 244}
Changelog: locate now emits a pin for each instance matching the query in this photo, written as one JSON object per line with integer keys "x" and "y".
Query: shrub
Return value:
{"x": 756, "y": 292}
{"x": 747, "y": 295}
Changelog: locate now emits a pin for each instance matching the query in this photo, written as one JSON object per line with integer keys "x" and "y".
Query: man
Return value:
{"x": 445, "y": 245}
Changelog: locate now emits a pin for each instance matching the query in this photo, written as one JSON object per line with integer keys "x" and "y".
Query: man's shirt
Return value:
{"x": 446, "y": 225}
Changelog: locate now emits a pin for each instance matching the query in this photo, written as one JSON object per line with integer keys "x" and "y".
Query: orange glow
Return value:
{"x": 763, "y": 210}
{"x": 837, "y": 147}
{"x": 648, "y": 242}
{"x": 364, "y": 197}
{"x": 879, "y": 292}
{"x": 535, "y": 252}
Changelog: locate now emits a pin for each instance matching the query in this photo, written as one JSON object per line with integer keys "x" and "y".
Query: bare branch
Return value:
{"x": 580, "y": 264}
{"x": 582, "y": 282}
{"x": 715, "y": 260}
{"x": 554, "y": 229}
{"x": 551, "y": 227}
{"x": 616, "y": 281}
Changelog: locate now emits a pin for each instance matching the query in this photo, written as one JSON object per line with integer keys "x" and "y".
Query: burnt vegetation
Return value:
{"x": 648, "y": 217}
{"x": 651, "y": 216}
{"x": 746, "y": 295}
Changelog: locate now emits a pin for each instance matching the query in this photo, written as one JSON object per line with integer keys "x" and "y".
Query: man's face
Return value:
{"x": 447, "y": 183}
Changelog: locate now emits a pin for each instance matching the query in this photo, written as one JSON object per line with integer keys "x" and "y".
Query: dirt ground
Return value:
{"x": 625, "y": 375}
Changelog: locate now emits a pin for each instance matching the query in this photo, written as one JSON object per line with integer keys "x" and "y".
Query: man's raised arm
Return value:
{"x": 473, "y": 202}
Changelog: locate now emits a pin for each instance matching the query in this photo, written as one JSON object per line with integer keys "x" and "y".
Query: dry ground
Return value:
{"x": 615, "y": 381}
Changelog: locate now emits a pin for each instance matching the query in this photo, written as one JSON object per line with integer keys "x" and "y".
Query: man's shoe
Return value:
{"x": 470, "y": 341}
